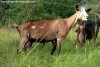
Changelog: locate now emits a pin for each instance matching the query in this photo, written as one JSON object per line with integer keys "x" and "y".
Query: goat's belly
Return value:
{"x": 41, "y": 40}
{"x": 43, "y": 35}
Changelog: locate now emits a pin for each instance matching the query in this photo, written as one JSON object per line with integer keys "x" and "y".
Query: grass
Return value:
{"x": 70, "y": 56}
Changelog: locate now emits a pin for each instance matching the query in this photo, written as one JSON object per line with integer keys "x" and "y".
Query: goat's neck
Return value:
{"x": 72, "y": 20}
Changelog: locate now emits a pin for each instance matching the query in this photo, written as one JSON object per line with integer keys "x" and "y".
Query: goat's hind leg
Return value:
{"x": 59, "y": 41}
{"x": 54, "y": 44}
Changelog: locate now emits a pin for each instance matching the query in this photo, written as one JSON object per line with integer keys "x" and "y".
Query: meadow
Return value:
{"x": 39, "y": 54}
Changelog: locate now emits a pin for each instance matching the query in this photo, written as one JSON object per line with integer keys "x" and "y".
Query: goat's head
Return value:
{"x": 82, "y": 12}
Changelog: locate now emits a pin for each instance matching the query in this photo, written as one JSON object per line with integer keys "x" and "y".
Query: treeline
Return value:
{"x": 18, "y": 12}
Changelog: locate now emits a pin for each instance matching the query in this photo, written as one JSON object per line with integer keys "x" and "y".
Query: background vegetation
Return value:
{"x": 41, "y": 9}
{"x": 39, "y": 55}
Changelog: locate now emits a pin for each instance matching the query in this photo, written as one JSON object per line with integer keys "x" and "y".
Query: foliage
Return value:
{"x": 41, "y": 9}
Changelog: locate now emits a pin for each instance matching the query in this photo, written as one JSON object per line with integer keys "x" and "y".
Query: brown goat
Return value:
{"x": 54, "y": 30}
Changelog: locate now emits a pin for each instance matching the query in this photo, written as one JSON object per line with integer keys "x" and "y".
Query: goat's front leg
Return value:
{"x": 54, "y": 44}
{"x": 22, "y": 44}
{"x": 28, "y": 44}
{"x": 59, "y": 41}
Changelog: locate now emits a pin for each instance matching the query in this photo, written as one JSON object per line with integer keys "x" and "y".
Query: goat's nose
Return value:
{"x": 87, "y": 17}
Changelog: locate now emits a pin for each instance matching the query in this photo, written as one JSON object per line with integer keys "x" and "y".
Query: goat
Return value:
{"x": 54, "y": 30}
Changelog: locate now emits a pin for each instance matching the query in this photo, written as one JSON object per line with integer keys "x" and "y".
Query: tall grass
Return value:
{"x": 70, "y": 56}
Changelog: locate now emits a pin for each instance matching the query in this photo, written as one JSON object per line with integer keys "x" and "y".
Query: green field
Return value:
{"x": 39, "y": 54}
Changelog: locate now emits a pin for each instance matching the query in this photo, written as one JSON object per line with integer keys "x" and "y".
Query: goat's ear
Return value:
{"x": 77, "y": 7}
{"x": 88, "y": 10}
